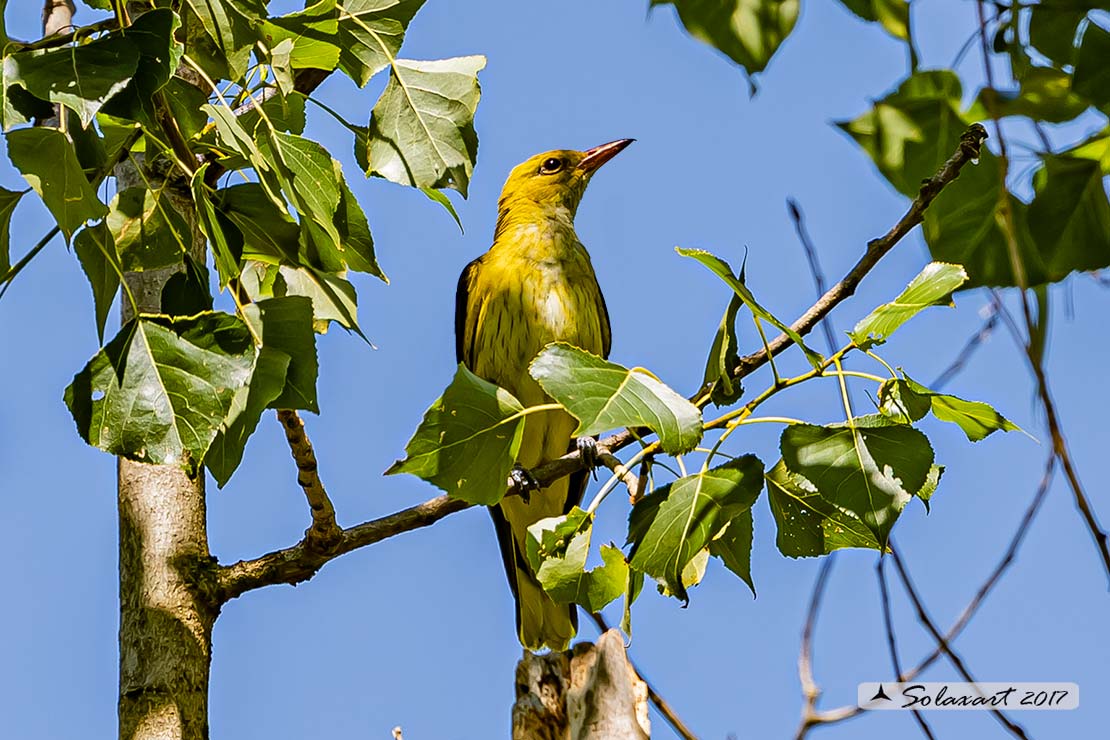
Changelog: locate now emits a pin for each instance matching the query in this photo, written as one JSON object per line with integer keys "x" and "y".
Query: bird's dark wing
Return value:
{"x": 463, "y": 343}
{"x": 606, "y": 332}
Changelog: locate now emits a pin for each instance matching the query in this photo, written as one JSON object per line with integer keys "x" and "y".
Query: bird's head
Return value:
{"x": 557, "y": 179}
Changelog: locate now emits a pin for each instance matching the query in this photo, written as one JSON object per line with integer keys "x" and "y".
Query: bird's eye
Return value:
{"x": 551, "y": 165}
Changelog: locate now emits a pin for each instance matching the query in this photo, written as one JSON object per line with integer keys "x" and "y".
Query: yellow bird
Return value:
{"x": 535, "y": 285}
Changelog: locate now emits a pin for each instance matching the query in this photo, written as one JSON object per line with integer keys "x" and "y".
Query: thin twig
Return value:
{"x": 324, "y": 533}
{"x": 624, "y": 475}
{"x": 810, "y": 691}
{"x": 814, "y": 264}
{"x": 660, "y": 703}
{"x": 942, "y": 642}
{"x": 891, "y": 642}
{"x": 973, "y": 343}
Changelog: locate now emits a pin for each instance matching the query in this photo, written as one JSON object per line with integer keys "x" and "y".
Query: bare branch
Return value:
{"x": 300, "y": 562}
{"x": 891, "y": 642}
{"x": 942, "y": 642}
{"x": 660, "y": 703}
{"x": 57, "y": 16}
{"x": 810, "y": 691}
{"x": 324, "y": 532}
{"x": 624, "y": 475}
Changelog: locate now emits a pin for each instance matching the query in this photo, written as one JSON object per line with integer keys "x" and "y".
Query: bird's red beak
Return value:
{"x": 599, "y": 155}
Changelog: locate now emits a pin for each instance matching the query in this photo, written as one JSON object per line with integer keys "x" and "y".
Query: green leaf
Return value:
{"x": 370, "y": 35}
{"x": 186, "y": 292}
{"x": 285, "y": 324}
{"x": 911, "y": 132}
{"x": 723, "y": 270}
{"x": 220, "y": 34}
{"x": 17, "y": 106}
{"x": 964, "y": 226}
{"x": 893, "y": 15}
{"x": 724, "y": 358}
{"x": 356, "y": 243}
{"x": 1052, "y": 31}
{"x": 9, "y": 199}
{"x": 49, "y": 164}
{"x": 148, "y": 229}
{"x": 1092, "y": 74}
{"x": 557, "y": 548}
{"x": 311, "y": 180}
{"x": 1045, "y": 94}
{"x": 97, "y": 252}
{"x": 333, "y": 298}
{"x": 930, "y": 487}
{"x": 227, "y": 253}
{"x": 747, "y": 31}
{"x": 82, "y": 78}
{"x": 734, "y": 547}
{"x": 313, "y": 32}
{"x": 468, "y": 440}
{"x": 437, "y": 196}
{"x": 808, "y": 525}
{"x": 269, "y": 234}
{"x": 933, "y": 286}
{"x": 267, "y": 378}
{"x": 671, "y": 526}
{"x": 160, "y": 389}
{"x": 1069, "y": 218}
{"x": 905, "y": 399}
{"x": 421, "y": 131}
{"x": 1096, "y": 148}
{"x": 872, "y": 471}
{"x": 152, "y": 34}
{"x": 604, "y": 395}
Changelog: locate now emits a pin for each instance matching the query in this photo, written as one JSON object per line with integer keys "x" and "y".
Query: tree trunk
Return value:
{"x": 167, "y": 575}
{"x": 588, "y": 693}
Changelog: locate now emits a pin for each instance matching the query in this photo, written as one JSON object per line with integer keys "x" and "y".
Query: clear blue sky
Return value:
{"x": 418, "y": 630}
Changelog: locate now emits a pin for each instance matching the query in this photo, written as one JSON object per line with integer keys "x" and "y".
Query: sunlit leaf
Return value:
{"x": 48, "y": 162}
{"x": 557, "y": 549}
{"x": 1045, "y": 94}
{"x": 313, "y": 32}
{"x": 82, "y": 78}
{"x": 468, "y": 441}
{"x": 892, "y": 15}
{"x": 96, "y": 250}
{"x": 603, "y": 395}
{"x": 148, "y": 229}
{"x": 734, "y": 547}
{"x": 670, "y": 527}
{"x": 747, "y": 31}
{"x": 933, "y": 286}
{"x": 152, "y": 33}
{"x": 285, "y": 324}
{"x": 724, "y": 358}
{"x": 724, "y": 271}
{"x": 160, "y": 389}
{"x": 370, "y": 35}
{"x": 906, "y": 400}
{"x": 872, "y": 471}
{"x": 421, "y": 130}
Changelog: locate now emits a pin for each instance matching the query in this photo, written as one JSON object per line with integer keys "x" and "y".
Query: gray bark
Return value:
{"x": 589, "y": 693}
{"x": 167, "y": 576}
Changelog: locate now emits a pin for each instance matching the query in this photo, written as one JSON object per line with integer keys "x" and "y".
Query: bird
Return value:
{"x": 535, "y": 285}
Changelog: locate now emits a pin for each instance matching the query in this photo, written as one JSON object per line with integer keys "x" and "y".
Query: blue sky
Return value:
{"x": 417, "y": 631}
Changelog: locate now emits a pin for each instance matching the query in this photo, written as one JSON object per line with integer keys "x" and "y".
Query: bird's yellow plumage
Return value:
{"x": 535, "y": 286}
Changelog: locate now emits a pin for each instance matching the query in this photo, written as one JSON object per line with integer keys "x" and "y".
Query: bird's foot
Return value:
{"x": 523, "y": 481}
{"x": 587, "y": 450}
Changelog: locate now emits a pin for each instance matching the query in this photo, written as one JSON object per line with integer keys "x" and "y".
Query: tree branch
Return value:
{"x": 300, "y": 562}
{"x": 323, "y": 534}
{"x": 892, "y": 643}
{"x": 810, "y": 690}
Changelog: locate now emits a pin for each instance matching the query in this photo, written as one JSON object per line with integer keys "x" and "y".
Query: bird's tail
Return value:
{"x": 541, "y": 622}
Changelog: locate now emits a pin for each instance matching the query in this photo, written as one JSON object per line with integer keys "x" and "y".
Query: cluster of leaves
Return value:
{"x": 836, "y": 485}
{"x": 1057, "y": 54}
{"x": 193, "y": 92}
